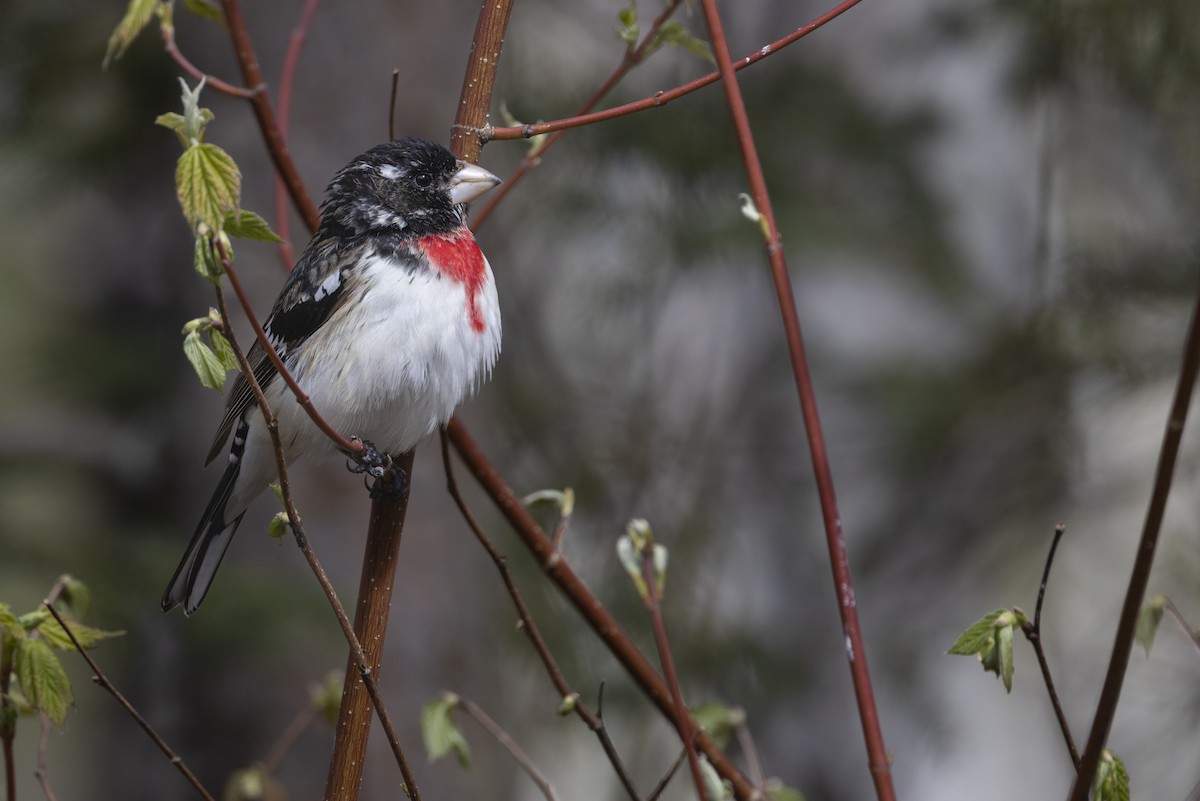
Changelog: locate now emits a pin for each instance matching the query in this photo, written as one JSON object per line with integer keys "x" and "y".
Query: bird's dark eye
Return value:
{"x": 423, "y": 180}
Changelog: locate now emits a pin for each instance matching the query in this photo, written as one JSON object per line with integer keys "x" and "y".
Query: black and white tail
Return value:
{"x": 203, "y": 555}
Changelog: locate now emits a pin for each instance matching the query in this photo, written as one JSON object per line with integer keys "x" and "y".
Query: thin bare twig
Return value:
{"x": 210, "y": 81}
{"x": 287, "y": 738}
{"x": 101, "y": 679}
{"x": 392, "y": 105}
{"x": 683, "y": 718}
{"x": 595, "y": 722}
{"x": 662, "y": 98}
{"x": 1189, "y": 632}
{"x": 294, "y": 522}
{"x": 265, "y": 114}
{"x": 1033, "y": 633}
{"x": 349, "y": 446}
{"x": 856, "y": 654}
{"x": 670, "y": 774}
{"x": 501, "y": 736}
{"x": 1110, "y": 693}
{"x": 750, "y": 751}
{"x": 287, "y": 79}
{"x": 629, "y": 59}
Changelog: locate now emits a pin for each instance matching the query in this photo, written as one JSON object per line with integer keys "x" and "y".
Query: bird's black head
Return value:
{"x": 411, "y": 187}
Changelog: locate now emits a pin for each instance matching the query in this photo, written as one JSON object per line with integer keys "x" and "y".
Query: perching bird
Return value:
{"x": 388, "y": 322}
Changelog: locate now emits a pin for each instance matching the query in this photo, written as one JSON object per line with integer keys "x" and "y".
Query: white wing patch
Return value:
{"x": 329, "y": 285}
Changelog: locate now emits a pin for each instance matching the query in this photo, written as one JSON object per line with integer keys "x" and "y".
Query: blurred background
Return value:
{"x": 990, "y": 214}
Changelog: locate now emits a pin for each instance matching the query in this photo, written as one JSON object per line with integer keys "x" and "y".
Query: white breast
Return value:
{"x": 392, "y": 364}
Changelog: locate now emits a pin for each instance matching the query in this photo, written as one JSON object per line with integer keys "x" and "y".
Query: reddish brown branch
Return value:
{"x": 629, "y": 59}
{"x": 216, "y": 84}
{"x": 683, "y": 719}
{"x": 518, "y": 754}
{"x": 855, "y": 646}
{"x": 350, "y": 446}
{"x": 359, "y": 658}
{"x": 1110, "y": 693}
{"x": 265, "y": 114}
{"x": 593, "y": 721}
{"x": 287, "y": 79}
{"x": 587, "y": 604}
{"x": 662, "y": 98}
{"x": 480, "y": 78}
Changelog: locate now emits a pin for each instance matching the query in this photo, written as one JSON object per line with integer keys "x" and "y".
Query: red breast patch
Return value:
{"x": 459, "y": 258}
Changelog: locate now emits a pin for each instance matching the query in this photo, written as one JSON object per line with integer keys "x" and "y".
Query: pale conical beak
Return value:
{"x": 470, "y": 182}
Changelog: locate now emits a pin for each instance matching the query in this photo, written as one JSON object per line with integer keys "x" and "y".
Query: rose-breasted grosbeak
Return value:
{"x": 388, "y": 322}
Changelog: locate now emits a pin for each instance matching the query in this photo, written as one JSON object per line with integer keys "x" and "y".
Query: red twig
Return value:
{"x": 683, "y": 720}
{"x": 265, "y": 114}
{"x": 216, "y": 84}
{"x": 305, "y": 402}
{"x": 631, "y": 58}
{"x": 659, "y": 99}
{"x": 1110, "y": 694}
{"x": 287, "y": 78}
{"x": 855, "y": 646}
{"x": 587, "y": 604}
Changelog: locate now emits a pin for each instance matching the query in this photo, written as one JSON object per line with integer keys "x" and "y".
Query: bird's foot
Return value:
{"x": 369, "y": 460}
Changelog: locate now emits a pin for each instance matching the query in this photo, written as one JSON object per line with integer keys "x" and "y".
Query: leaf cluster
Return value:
{"x": 991, "y": 639}
{"x": 28, "y": 645}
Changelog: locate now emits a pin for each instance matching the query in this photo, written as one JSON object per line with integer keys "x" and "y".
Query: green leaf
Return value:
{"x": 137, "y": 16}
{"x": 77, "y": 597}
{"x": 205, "y": 263}
{"x": 208, "y": 184}
{"x": 87, "y": 635}
{"x": 714, "y": 788}
{"x": 223, "y": 349}
{"x": 1112, "y": 780}
{"x": 172, "y": 119}
{"x": 719, "y": 720}
{"x": 778, "y": 791}
{"x": 673, "y": 34}
{"x": 976, "y": 637}
{"x": 1004, "y": 644}
{"x": 248, "y": 225}
{"x": 629, "y": 30}
{"x": 439, "y": 732}
{"x": 206, "y": 364}
{"x": 327, "y": 696}
{"x": 277, "y": 529}
{"x": 205, "y": 9}
{"x": 10, "y": 625}
{"x": 1148, "y": 620}
{"x": 195, "y": 118}
{"x": 43, "y": 679}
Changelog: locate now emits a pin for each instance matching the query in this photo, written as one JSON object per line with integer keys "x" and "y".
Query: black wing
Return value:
{"x": 316, "y": 288}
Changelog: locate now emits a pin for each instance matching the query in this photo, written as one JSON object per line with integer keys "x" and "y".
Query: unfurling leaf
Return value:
{"x": 137, "y": 16}
{"x": 674, "y": 34}
{"x": 208, "y": 184}
{"x": 991, "y": 639}
{"x": 719, "y": 720}
{"x": 43, "y": 679}
{"x": 205, "y": 262}
{"x": 205, "y": 9}
{"x": 206, "y": 364}
{"x": 568, "y": 705}
{"x": 439, "y": 732}
{"x": 248, "y": 225}
{"x": 1112, "y": 780}
{"x": 327, "y": 696}
{"x": 277, "y": 529}
{"x": 253, "y": 784}
{"x": 632, "y": 562}
{"x": 86, "y": 635}
{"x": 223, "y": 350}
{"x": 778, "y": 791}
{"x": 1148, "y": 620}
{"x": 714, "y": 788}
{"x": 629, "y": 30}
{"x": 77, "y": 597}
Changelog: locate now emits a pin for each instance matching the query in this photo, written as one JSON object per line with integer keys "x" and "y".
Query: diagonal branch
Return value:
{"x": 855, "y": 646}
{"x": 662, "y": 98}
{"x": 1110, "y": 693}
